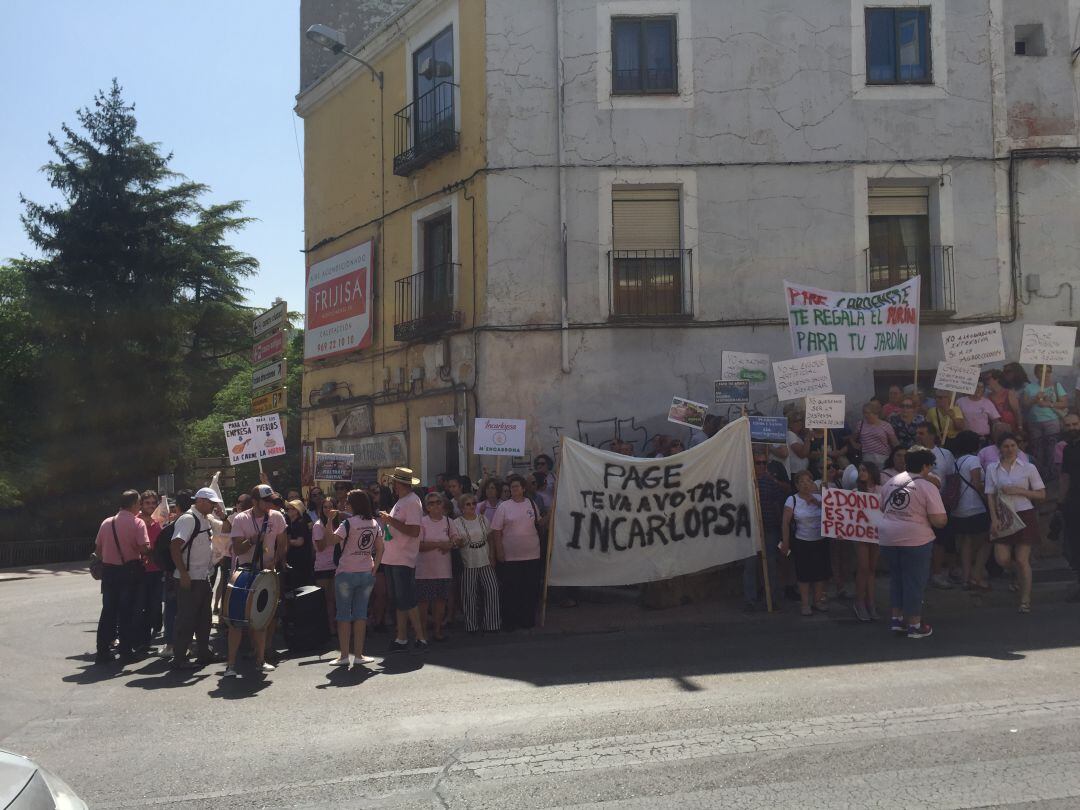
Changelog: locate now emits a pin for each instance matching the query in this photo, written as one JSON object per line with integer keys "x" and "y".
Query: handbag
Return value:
{"x": 1008, "y": 521}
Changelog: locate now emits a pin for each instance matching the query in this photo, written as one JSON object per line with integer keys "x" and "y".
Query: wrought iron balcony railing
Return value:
{"x": 424, "y": 303}
{"x": 933, "y": 263}
{"x": 425, "y": 129}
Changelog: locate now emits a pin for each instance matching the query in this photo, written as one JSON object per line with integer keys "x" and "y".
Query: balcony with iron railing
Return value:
{"x": 425, "y": 129}
{"x": 650, "y": 284}
{"x": 933, "y": 263}
{"x": 424, "y": 303}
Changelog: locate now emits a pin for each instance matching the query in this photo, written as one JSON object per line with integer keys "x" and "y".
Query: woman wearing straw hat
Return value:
{"x": 399, "y": 557}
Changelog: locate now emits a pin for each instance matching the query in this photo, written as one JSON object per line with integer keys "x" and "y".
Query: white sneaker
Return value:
{"x": 229, "y": 673}
{"x": 166, "y": 651}
{"x": 365, "y": 659}
{"x": 268, "y": 667}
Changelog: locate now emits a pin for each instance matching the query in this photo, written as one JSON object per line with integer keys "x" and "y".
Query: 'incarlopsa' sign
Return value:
{"x": 499, "y": 437}
{"x": 338, "y": 315}
{"x": 621, "y": 520}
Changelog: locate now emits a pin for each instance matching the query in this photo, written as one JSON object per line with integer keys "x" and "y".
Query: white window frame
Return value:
{"x": 686, "y": 180}
{"x": 938, "y": 54}
{"x": 423, "y": 33}
{"x": 419, "y": 217}
{"x": 680, "y": 9}
{"x": 939, "y": 204}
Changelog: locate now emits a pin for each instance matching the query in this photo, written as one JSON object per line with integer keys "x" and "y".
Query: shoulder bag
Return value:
{"x": 1008, "y": 521}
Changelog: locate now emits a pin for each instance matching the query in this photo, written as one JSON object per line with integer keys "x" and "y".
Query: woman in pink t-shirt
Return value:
{"x": 979, "y": 412}
{"x": 911, "y": 509}
{"x": 434, "y": 569}
{"x": 361, "y": 540}
{"x": 514, "y": 532}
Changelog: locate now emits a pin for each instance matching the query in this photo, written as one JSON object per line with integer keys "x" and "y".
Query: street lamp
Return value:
{"x": 334, "y": 41}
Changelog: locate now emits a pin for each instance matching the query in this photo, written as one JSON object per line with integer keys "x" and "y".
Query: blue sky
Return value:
{"x": 213, "y": 81}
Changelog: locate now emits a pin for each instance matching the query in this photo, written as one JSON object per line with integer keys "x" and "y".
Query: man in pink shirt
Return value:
{"x": 121, "y": 543}
{"x": 399, "y": 558}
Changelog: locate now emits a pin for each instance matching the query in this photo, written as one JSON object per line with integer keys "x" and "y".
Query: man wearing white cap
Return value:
{"x": 192, "y": 553}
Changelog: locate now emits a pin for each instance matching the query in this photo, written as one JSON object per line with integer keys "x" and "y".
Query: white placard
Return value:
{"x": 1051, "y": 345}
{"x": 825, "y": 411}
{"x": 802, "y": 377}
{"x": 957, "y": 377}
{"x": 620, "y": 520}
{"x": 745, "y": 366}
{"x": 271, "y": 374}
{"x": 253, "y": 439}
{"x": 499, "y": 437}
{"x": 974, "y": 345}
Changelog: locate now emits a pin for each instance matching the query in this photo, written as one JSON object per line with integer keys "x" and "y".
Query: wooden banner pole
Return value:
{"x": 825, "y": 457}
{"x": 551, "y": 535}
{"x": 1042, "y": 377}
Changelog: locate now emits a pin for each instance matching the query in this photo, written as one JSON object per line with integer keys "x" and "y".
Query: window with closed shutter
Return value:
{"x": 647, "y": 260}
{"x": 899, "y": 237}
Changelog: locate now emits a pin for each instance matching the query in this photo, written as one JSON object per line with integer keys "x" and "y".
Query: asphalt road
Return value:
{"x": 744, "y": 712}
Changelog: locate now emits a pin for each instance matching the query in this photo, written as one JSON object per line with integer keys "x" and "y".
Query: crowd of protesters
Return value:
{"x": 960, "y": 481}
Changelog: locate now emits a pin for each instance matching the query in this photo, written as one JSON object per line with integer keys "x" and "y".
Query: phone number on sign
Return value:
{"x": 343, "y": 342}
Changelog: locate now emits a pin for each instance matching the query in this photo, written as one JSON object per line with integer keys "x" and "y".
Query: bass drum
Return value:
{"x": 252, "y": 598}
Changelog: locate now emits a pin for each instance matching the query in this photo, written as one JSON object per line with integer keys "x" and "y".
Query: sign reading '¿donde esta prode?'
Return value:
{"x": 622, "y": 520}
{"x": 253, "y": 439}
{"x": 848, "y": 324}
{"x": 499, "y": 437}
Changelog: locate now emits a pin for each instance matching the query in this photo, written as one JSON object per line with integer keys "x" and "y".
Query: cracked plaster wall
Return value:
{"x": 772, "y": 86}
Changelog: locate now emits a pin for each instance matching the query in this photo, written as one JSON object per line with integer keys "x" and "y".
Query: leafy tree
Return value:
{"x": 137, "y": 300}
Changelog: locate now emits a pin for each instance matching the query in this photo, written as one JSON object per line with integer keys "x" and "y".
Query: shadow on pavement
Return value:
{"x": 343, "y": 677}
{"x": 169, "y": 679}
{"x": 246, "y": 686}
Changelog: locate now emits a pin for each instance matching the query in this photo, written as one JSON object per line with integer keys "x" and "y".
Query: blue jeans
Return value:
{"x": 751, "y": 580}
{"x": 352, "y": 591}
{"x": 909, "y": 570}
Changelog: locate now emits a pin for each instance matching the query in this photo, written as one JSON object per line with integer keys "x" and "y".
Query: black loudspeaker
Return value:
{"x": 304, "y": 624}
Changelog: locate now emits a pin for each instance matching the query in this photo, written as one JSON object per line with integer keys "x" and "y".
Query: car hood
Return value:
{"x": 15, "y": 772}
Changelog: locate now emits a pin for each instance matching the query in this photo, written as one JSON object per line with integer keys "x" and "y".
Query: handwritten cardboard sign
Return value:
{"x": 956, "y": 377}
{"x": 850, "y": 515}
{"x": 254, "y": 439}
{"x": 825, "y": 411}
{"x": 745, "y": 366}
{"x": 769, "y": 429}
{"x": 974, "y": 345}
{"x": 846, "y": 324}
{"x": 802, "y": 377}
{"x": 1050, "y": 345}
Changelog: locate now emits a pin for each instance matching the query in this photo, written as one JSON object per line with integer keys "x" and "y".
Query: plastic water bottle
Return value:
{"x": 386, "y": 532}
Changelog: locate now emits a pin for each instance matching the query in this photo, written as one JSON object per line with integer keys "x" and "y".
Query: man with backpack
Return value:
{"x": 192, "y": 558}
{"x": 162, "y": 554}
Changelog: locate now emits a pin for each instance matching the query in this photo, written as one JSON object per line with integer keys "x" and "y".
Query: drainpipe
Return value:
{"x": 565, "y": 321}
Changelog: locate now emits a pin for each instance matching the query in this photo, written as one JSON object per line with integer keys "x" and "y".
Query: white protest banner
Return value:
{"x": 499, "y": 437}
{"x": 745, "y": 366}
{"x": 843, "y": 324}
{"x": 825, "y": 411}
{"x": 621, "y": 520}
{"x": 957, "y": 377}
{"x": 850, "y": 515}
{"x": 254, "y": 439}
{"x": 974, "y": 345}
{"x": 802, "y": 377}
{"x": 1050, "y": 345}
{"x": 334, "y": 466}
{"x": 687, "y": 412}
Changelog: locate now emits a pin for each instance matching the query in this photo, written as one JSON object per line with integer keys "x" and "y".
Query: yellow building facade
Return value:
{"x": 393, "y": 155}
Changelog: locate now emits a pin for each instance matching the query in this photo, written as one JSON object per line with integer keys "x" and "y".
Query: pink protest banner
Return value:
{"x": 848, "y": 515}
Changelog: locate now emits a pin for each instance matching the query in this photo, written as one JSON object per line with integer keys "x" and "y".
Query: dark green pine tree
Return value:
{"x": 135, "y": 300}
